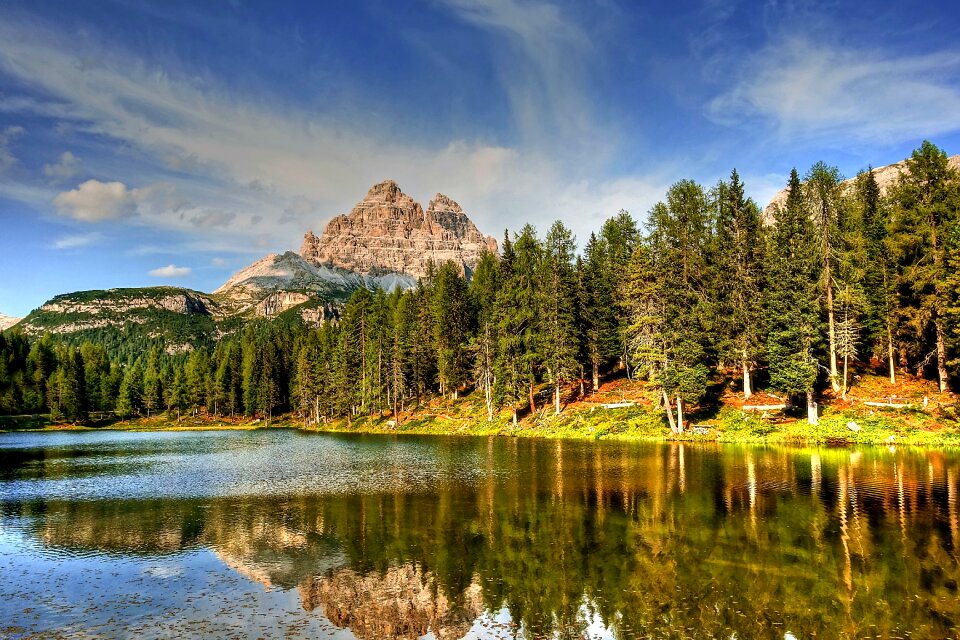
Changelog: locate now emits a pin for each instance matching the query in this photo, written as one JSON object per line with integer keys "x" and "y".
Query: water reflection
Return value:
{"x": 550, "y": 539}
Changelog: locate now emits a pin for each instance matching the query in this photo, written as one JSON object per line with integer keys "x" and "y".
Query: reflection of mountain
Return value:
{"x": 750, "y": 541}
{"x": 403, "y": 602}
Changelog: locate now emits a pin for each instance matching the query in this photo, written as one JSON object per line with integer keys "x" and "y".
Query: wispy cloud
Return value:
{"x": 542, "y": 56}
{"x": 170, "y": 271}
{"x": 76, "y": 241}
{"x": 66, "y": 167}
{"x": 293, "y": 169}
{"x": 810, "y": 90}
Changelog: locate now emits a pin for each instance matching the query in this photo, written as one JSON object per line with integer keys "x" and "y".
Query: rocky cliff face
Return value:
{"x": 388, "y": 232}
{"x": 7, "y": 321}
{"x": 886, "y": 177}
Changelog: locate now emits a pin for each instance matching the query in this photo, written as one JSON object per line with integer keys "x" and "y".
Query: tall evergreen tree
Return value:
{"x": 738, "y": 277}
{"x": 926, "y": 202}
{"x": 823, "y": 193}
{"x": 600, "y": 318}
{"x": 794, "y": 277}
{"x": 558, "y": 320}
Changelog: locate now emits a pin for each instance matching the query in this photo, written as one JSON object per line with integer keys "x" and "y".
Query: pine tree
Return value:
{"x": 558, "y": 318}
{"x": 449, "y": 311}
{"x": 794, "y": 277}
{"x": 679, "y": 235}
{"x": 878, "y": 278}
{"x": 737, "y": 280}
{"x": 601, "y": 323}
{"x": 823, "y": 195}
{"x": 527, "y": 301}
{"x": 130, "y": 400}
{"x": 926, "y": 202}
{"x": 509, "y": 319}
{"x": 483, "y": 347}
{"x": 621, "y": 236}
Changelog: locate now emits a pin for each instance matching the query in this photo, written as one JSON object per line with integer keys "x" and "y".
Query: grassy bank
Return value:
{"x": 622, "y": 410}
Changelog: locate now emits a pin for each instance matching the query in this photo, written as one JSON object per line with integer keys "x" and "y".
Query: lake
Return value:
{"x": 281, "y": 533}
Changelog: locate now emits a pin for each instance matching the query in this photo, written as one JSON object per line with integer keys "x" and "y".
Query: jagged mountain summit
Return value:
{"x": 388, "y": 232}
{"x": 886, "y": 177}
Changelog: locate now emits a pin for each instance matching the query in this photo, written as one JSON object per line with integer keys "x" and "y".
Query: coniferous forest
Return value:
{"x": 839, "y": 279}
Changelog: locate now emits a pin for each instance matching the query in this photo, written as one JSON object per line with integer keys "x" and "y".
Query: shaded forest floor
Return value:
{"x": 628, "y": 410}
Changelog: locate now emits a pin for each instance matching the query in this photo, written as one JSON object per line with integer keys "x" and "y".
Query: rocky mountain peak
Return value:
{"x": 388, "y": 232}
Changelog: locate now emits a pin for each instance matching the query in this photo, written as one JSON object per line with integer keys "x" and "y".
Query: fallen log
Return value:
{"x": 889, "y": 405}
{"x": 618, "y": 405}
{"x": 764, "y": 407}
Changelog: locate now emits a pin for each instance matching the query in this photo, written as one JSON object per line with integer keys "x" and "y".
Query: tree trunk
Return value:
{"x": 747, "y": 390}
{"x": 514, "y": 415}
{"x": 556, "y": 399}
{"x": 489, "y": 396}
{"x": 893, "y": 374}
{"x": 846, "y": 361}
{"x": 832, "y": 331}
{"x": 596, "y": 376}
{"x": 456, "y": 393}
{"x": 533, "y": 405}
{"x": 941, "y": 355}
{"x": 679, "y": 415}
{"x": 669, "y": 409}
{"x": 811, "y": 409}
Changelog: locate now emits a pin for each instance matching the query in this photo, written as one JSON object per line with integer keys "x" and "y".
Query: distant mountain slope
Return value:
{"x": 886, "y": 177}
{"x": 278, "y": 282}
{"x": 7, "y": 321}
{"x": 180, "y": 317}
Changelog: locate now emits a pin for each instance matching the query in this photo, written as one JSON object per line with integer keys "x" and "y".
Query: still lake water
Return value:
{"x": 280, "y": 533}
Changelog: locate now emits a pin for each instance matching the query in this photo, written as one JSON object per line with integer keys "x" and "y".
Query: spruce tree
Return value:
{"x": 793, "y": 283}
{"x": 600, "y": 319}
{"x": 878, "y": 277}
{"x": 926, "y": 201}
{"x": 737, "y": 279}
{"x": 558, "y": 318}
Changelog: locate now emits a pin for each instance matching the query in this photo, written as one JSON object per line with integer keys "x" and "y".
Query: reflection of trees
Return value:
{"x": 756, "y": 541}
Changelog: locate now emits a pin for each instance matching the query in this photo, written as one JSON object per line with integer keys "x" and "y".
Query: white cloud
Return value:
{"x": 170, "y": 271}
{"x": 813, "y": 90}
{"x": 7, "y": 159}
{"x": 76, "y": 241}
{"x": 95, "y": 201}
{"x": 67, "y": 167}
{"x": 319, "y": 165}
{"x": 218, "y": 262}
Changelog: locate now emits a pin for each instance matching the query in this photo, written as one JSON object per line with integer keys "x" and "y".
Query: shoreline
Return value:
{"x": 624, "y": 425}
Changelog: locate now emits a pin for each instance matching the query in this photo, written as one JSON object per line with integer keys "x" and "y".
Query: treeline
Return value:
{"x": 838, "y": 276}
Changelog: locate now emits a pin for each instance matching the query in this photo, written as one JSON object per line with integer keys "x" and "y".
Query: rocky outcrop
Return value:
{"x": 886, "y": 176}
{"x": 7, "y": 321}
{"x": 388, "y": 232}
{"x": 403, "y": 602}
{"x": 281, "y": 281}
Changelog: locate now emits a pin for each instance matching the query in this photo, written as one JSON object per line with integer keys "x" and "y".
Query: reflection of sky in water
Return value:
{"x": 84, "y": 466}
{"x": 191, "y": 594}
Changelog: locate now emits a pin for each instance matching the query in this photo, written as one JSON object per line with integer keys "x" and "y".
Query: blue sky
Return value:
{"x": 146, "y": 143}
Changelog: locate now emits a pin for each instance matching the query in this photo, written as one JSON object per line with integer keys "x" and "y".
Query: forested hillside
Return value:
{"x": 840, "y": 281}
